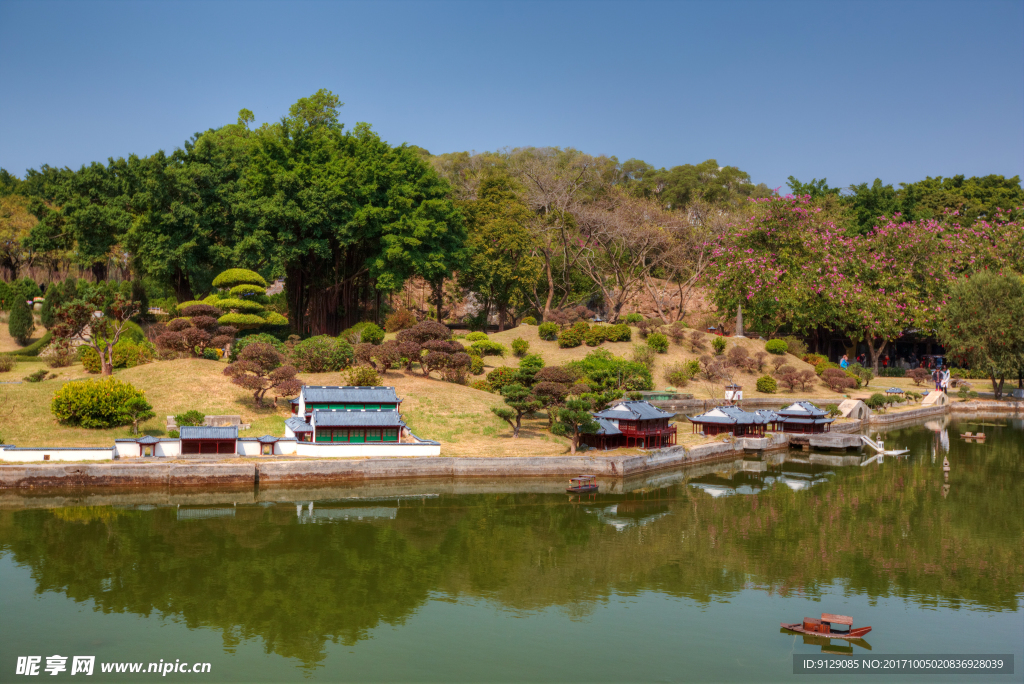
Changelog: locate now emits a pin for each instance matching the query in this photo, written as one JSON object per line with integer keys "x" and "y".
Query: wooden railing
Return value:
{"x": 646, "y": 432}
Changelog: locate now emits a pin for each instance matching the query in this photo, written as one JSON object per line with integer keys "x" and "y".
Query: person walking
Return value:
{"x": 937, "y": 379}
{"x": 945, "y": 380}
{"x": 844, "y": 362}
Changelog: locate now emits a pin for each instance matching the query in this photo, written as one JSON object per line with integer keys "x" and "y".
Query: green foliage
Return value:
{"x": 518, "y": 403}
{"x": 239, "y": 276}
{"x": 718, "y": 344}
{"x": 246, "y": 291}
{"x": 129, "y": 353}
{"x": 502, "y": 376}
{"x": 766, "y": 384}
{"x": 477, "y": 337}
{"x": 571, "y": 337}
{"x": 481, "y": 385}
{"x": 833, "y": 410}
{"x": 619, "y": 332}
{"x": 775, "y": 347}
{"x": 529, "y": 320}
{"x": 476, "y": 366}
{"x": 372, "y": 333}
{"x": 20, "y": 323}
{"x": 190, "y": 418}
{"x": 632, "y": 319}
{"x": 399, "y": 320}
{"x": 658, "y": 342}
{"x": 242, "y": 342}
{"x": 37, "y": 376}
{"x": 52, "y": 302}
{"x": 363, "y": 376}
{"x": 601, "y": 370}
{"x": 574, "y": 419}
{"x": 824, "y": 365}
{"x": 323, "y": 354}
{"x": 136, "y": 410}
{"x": 548, "y": 331}
{"x": 6, "y": 363}
{"x": 891, "y": 372}
{"x": 679, "y": 373}
{"x": 90, "y": 359}
{"x": 966, "y": 393}
{"x": 520, "y": 347}
{"x": 595, "y": 336}
{"x": 98, "y": 403}
{"x": 795, "y": 346}
{"x": 876, "y": 401}
{"x": 485, "y": 347}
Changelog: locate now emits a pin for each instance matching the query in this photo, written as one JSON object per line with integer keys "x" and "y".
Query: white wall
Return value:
{"x": 366, "y": 450}
{"x": 36, "y": 454}
{"x": 252, "y": 447}
{"x": 165, "y": 449}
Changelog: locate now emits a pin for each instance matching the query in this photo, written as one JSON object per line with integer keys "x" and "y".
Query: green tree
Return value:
{"x": 573, "y": 420}
{"x": 518, "y": 403}
{"x": 136, "y": 410}
{"x": 21, "y": 324}
{"x": 76, "y": 322}
{"x": 51, "y": 304}
{"x": 981, "y": 325}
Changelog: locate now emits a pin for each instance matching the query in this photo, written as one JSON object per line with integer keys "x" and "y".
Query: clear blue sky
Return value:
{"x": 847, "y": 90}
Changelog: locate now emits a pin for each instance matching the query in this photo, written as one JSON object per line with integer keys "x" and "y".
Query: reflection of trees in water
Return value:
{"x": 879, "y": 531}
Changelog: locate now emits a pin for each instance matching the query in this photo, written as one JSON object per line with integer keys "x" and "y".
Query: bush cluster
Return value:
{"x": 766, "y": 384}
{"x": 399, "y": 320}
{"x": 571, "y": 337}
{"x": 892, "y": 373}
{"x": 520, "y": 347}
{"x": 97, "y": 403}
{"x": 658, "y": 342}
{"x": 620, "y": 332}
{"x": 363, "y": 376}
{"x": 323, "y": 354}
{"x": 529, "y": 320}
{"x": 243, "y": 342}
{"x": 548, "y": 331}
{"x": 476, "y": 337}
{"x": 632, "y": 318}
{"x": 775, "y": 347}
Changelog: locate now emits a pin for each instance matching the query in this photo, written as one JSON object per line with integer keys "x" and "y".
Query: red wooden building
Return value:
{"x": 632, "y": 424}
{"x": 203, "y": 439}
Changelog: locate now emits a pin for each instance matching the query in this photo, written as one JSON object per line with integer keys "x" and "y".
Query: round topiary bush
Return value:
{"x": 596, "y": 335}
{"x": 477, "y": 336}
{"x": 775, "y": 347}
{"x": 620, "y": 332}
{"x": 875, "y": 401}
{"x": 243, "y": 342}
{"x": 95, "y": 403}
{"x": 239, "y": 276}
{"x": 529, "y": 320}
{"x": 21, "y": 325}
{"x": 373, "y": 333}
{"x": 718, "y": 344}
{"x": 572, "y": 337}
{"x": 363, "y": 376}
{"x": 323, "y": 354}
{"x": 766, "y": 384}
{"x": 520, "y": 347}
{"x": 658, "y": 342}
{"x": 548, "y": 331}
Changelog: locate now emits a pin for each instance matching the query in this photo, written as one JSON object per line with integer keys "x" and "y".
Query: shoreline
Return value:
{"x": 306, "y": 472}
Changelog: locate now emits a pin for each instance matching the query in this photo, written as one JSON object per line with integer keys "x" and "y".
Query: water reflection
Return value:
{"x": 299, "y": 568}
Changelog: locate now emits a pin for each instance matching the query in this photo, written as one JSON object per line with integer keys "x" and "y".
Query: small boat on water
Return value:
{"x": 584, "y": 484}
{"x": 823, "y": 627}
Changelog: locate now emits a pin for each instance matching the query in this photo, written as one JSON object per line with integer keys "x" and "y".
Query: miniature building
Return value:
{"x": 631, "y": 423}
{"x": 314, "y": 397}
{"x": 854, "y": 408}
{"x": 771, "y": 418}
{"x": 356, "y": 426}
{"x": 936, "y": 398}
{"x": 730, "y": 420}
{"x": 733, "y": 392}
{"x": 203, "y": 439}
{"x": 804, "y": 417}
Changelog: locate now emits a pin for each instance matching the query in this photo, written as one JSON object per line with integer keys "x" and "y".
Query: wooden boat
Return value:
{"x": 823, "y": 627}
{"x": 584, "y": 484}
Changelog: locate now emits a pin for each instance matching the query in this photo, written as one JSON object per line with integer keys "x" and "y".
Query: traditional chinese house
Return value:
{"x": 804, "y": 417}
{"x": 357, "y": 427}
{"x": 202, "y": 439}
{"x": 313, "y": 397}
{"x": 730, "y": 420}
{"x": 631, "y": 424}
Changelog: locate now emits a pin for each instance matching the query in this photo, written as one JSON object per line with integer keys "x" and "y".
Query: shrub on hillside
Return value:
{"x": 619, "y": 332}
{"x": 486, "y": 347}
{"x": 98, "y": 403}
{"x": 323, "y": 354}
{"x": 6, "y": 363}
{"x": 658, "y": 342}
{"x": 399, "y": 320}
{"x": 648, "y": 326}
{"x": 481, "y": 385}
{"x": 678, "y": 373}
{"x": 644, "y": 354}
{"x": 501, "y": 376}
{"x": 795, "y": 346}
{"x": 571, "y": 337}
{"x": 813, "y": 359}
{"x": 21, "y": 324}
{"x": 775, "y": 347}
{"x": 766, "y": 384}
{"x": 244, "y": 342}
{"x": 595, "y": 337}
{"x": 190, "y": 418}
{"x": 718, "y": 344}
{"x": 424, "y": 331}
{"x": 363, "y": 376}
{"x": 476, "y": 365}
{"x": 825, "y": 365}
{"x": 837, "y": 380}
{"x": 477, "y": 336}
{"x": 373, "y": 333}
{"x": 529, "y": 320}
{"x": 548, "y": 331}
{"x": 520, "y": 347}
{"x": 696, "y": 341}
{"x": 632, "y": 318}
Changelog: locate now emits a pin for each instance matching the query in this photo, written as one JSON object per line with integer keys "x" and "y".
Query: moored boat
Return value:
{"x": 823, "y": 627}
{"x": 584, "y": 484}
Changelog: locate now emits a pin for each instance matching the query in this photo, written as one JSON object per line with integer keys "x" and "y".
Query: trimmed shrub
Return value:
{"x": 571, "y": 337}
{"x": 775, "y": 347}
{"x": 400, "y": 320}
{"x": 620, "y": 332}
{"x": 323, "y": 354}
{"x": 128, "y": 354}
{"x": 363, "y": 376}
{"x": 833, "y": 410}
{"x": 485, "y": 347}
{"x": 6, "y": 363}
{"x": 95, "y": 403}
{"x": 476, "y": 365}
{"x": 501, "y": 376}
{"x": 38, "y": 376}
{"x": 239, "y": 276}
{"x": 548, "y": 331}
{"x": 658, "y": 342}
{"x": 21, "y": 325}
{"x": 423, "y": 332}
{"x": 678, "y": 373}
{"x": 190, "y": 418}
{"x": 875, "y": 401}
{"x": 837, "y": 379}
{"x": 477, "y": 337}
{"x": 246, "y": 290}
{"x": 795, "y": 346}
{"x": 766, "y": 384}
{"x": 211, "y": 354}
{"x": 373, "y": 333}
{"x": 243, "y": 342}
{"x": 595, "y": 337}
{"x": 90, "y": 359}
{"x": 920, "y": 375}
{"x": 632, "y": 319}
{"x": 520, "y": 347}
{"x": 825, "y": 365}
{"x": 718, "y": 344}
{"x": 813, "y": 359}
{"x": 529, "y": 320}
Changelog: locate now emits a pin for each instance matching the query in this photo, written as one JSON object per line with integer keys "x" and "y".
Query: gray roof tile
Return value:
{"x": 207, "y": 432}
{"x": 733, "y": 415}
{"x": 641, "y": 410}
{"x": 349, "y": 395}
{"x": 298, "y": 425}
{"x": 337, "y": 418}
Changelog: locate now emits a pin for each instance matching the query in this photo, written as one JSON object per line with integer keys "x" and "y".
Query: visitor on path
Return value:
{"x": 913, "y": 360}
{"x": 885, "y": 361}
{"x": 945, "y": 380}
{"x": 844, "y": 362}
{"x": 937, "y": 379}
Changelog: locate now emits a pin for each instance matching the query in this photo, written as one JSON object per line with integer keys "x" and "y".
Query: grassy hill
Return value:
{"x": 458, "y": 416}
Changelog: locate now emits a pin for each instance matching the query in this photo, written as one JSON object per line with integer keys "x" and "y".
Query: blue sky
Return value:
{"x": 847, "y": 90}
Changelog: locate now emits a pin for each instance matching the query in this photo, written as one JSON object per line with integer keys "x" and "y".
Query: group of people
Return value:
{"x": 940, "y": 373}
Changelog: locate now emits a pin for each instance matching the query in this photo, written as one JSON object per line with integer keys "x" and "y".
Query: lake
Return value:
{"x": 682, "y": 576}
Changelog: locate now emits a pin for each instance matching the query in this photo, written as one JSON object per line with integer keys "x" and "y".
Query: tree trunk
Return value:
{"x": 502, "y": 308}
{"x": 182, "y": 288}
{"x": 551, "y": 288}
{"x": 99, "y": 271}
{"x": 438, "y": 288}
{"x": 106, "y": 358}
{"x": 295, "y": 285}
{"x": 997, "y": 388}
{"x": 519, "y": 421}
{"x": 876, "y": 354}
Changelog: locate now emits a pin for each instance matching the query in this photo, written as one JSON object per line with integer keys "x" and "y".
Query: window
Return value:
{"x": 341, "y": 435}
{"x": 356, "y": 435}
{"x": 390, "y": 434}
{"x": 323, "y": 435}
{"x": 373, "y": 435}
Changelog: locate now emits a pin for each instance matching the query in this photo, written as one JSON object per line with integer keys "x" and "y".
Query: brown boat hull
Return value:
{"x": 851, "y": 634}
{"x": 586, "y": 489}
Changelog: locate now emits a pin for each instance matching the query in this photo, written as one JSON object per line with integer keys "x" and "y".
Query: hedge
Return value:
{"x": 97, "y": 403}
{"x": 777, "y": 347}
{"x": 239, "y": 276}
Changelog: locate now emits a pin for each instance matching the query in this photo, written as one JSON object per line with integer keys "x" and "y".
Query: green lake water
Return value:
{"x": 682, "y": 576}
